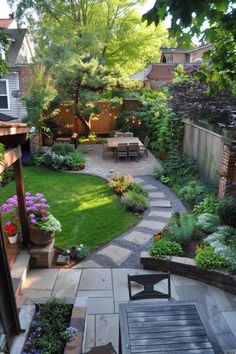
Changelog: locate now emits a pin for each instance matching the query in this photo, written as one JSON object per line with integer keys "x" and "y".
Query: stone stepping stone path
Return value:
{"x": 124, "y": 251}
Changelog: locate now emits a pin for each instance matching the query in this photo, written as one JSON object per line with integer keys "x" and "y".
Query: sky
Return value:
{"x": 5, "y": 10}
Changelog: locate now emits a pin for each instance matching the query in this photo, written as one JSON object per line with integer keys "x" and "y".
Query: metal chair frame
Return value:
{"x": 144, "y": 148}
{"x": 148, "y": 281}
{"x": 119, "y": 135}
{"x": 128, "y": 134}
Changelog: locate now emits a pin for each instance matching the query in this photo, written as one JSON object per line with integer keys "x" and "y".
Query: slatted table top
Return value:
{"x": 165, "y": 328}
{"x": 113, "y": 142}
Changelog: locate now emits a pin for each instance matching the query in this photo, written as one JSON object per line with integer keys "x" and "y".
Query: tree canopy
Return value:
{"x": 110, "y": 30}
{"x": 3, "y": 45}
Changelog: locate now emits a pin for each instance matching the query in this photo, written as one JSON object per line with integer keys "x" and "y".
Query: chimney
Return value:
{"x": 11, "y": 16}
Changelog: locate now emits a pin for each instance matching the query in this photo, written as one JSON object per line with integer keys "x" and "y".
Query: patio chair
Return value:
{"x": 148, "y": 282}
{"x": 134, "y": 150}
{"x": 122, "y": 151}
{"x": 103, "y": 349}
{"x": 119, "y": 135}
{"x": 145, "y": 145}
{"x": 129, "y": 134}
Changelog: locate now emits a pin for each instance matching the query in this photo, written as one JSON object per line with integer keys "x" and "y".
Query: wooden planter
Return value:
{"x": 40, "y": 237}
{"x": 187, "y": 267}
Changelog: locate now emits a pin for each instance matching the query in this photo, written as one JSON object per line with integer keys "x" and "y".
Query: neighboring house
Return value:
{"x": 170, "y": 58}
{"x": 18, "y": 57}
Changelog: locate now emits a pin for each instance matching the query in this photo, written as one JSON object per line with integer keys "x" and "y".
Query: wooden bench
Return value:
{"x": 73, "y": 139}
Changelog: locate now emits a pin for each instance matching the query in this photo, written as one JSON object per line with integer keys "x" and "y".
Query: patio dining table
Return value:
{"x": 113, "y": 142}
{"x": 165, "y": 328}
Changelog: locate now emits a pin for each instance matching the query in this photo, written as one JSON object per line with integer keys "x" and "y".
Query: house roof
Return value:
{"x": 6, "y": 118}
{"x": 5, "y": 22}
{"x": 16, "y": 36}
{"x": 183, "y": 51}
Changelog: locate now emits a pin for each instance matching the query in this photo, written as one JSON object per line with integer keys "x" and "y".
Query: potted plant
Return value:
{"x": 11, "y": 232}
{"x": 9, "y": 211}
{"x": 42, "y": 223}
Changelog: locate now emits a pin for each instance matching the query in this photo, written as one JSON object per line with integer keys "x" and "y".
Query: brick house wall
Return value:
{"x": 227, "y": 185}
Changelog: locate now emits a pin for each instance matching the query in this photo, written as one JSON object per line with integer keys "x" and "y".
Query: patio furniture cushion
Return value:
{"x": 129, "y": 134}
{"x": 103, "y": 349}
{"x": 148, "y": 281}
{"x": 119, "y": 134}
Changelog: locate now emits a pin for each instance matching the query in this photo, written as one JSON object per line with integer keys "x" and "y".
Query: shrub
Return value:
{"x": 38, "y": 160}
{"x": 192, "y": 191}
{"x": 138, "y": 188}
{"x": 210, "y": 204}
{"x": 223, "y": 241}
{"x": 63, "y": 148}
{"x": 82, "y": 252}
{"x": 176, "y": 168}
{"x": 181, "y": 228}
{"x": 57, "y": 161}
{"x": 120, "y": 184}
{"x": 162, "y": 248}
{"x": 6, "y": 176}
{"x": 134, "y": 201}
{"x": 227, "y": 211}
{"x": 207, "y": 258}
{"x": 74, "y": 161}
{"x": 207, "y": 222}
{"x": 48, "y": 160}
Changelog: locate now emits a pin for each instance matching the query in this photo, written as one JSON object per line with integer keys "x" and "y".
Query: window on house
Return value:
{"x": 2, "y": 53}
{"x": 4, "y": 98}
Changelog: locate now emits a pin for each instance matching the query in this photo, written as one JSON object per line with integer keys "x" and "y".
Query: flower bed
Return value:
{"x": 58, "y": 327}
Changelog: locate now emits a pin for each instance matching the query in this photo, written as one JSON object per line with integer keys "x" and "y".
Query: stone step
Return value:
{"x": 156, "y": 195}
{"x": 152, "y": 225}
{"x": 20, "y": 270}
{"x": 116, "y": 253}
{"x": 150, "y": 187}
{"x": 160, "y": 213}
{"x": 140, "y": 238}
{"x": 163, "y": 203}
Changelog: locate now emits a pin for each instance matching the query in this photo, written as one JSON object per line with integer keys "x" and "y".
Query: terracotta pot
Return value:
{"x": 12, "y": 239}
{"x": 40, "y": 237}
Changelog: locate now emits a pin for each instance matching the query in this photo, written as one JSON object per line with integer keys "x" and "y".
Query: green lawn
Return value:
{"x": 88, "y": 210}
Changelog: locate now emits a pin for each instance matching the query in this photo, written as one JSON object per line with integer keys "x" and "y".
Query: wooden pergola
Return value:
{"x": 12, "y": 136}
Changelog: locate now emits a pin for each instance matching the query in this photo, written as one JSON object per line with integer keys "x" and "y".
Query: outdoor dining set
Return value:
{"x": 125, "y": 146}
{"x": 160, "y": 327}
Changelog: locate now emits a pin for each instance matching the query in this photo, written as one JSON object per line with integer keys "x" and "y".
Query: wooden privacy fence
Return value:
{"x": 206, "y": 148}
{"x": 103, "y": 123}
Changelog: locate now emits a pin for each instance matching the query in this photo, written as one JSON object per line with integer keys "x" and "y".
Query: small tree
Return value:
{"x": 83, "y": 82}
{"x": 40, "y": 94}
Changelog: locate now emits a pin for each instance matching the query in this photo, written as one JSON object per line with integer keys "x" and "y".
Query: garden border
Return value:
{"x": 187, "y": 267}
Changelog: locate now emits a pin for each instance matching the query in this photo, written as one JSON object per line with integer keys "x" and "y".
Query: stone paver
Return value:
{"x": 230, "y": 318}
{"x": 162, "y": 203}
{"x": 87, "y": 264}
{"x": 41, "y": 279}
{"x": 152, "y": 225}
{"x": 150, "y": 187}
{"x": 106, "y": 327}
{"x": 160, "y": 213}
{"x": 98, "y": 305}
{"x": 98, "y": 279}
{"x": 116, "y": 253}
{"x": 156, "y": 195}
{"x": 140, "y": 238}
{"x": 67, "y": 283}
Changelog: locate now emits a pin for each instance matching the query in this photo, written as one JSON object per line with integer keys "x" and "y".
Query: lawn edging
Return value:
{"x": 187, "y": 267}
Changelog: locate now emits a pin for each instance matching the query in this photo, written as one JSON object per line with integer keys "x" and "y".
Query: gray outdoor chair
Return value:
{"x": 122, "y": 151}
{"x": 134, "y": 150}
{"x": 119, "y": 135}
{"x": 129, "y": 135}
{"x": 148, "y": 281}
{"x": 103, "y": 349}
{"x": 106, "y": 150}
{"x": 145, "y": 145}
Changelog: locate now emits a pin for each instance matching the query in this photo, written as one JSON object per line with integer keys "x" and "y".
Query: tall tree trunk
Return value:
{"x": 86, "y": 122}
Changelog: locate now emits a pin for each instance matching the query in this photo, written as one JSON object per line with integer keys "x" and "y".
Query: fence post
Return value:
{"x": 227, "y": 185}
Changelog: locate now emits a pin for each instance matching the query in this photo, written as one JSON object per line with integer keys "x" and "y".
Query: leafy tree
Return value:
{"x": 40, "y": 95}
{"x": 82, "y": 82}
{"x": 4, "y": 69}
{"x": 117, "y": 35}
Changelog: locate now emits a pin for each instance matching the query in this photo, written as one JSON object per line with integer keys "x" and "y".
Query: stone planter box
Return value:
{"x": 187, "y": 267}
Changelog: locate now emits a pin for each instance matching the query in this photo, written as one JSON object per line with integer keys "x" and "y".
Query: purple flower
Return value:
{"x": 44, "y": 219}
{"x": 33, "y": 221}
{"x": 8, "y": 222}
{"x": 32, "y": 216}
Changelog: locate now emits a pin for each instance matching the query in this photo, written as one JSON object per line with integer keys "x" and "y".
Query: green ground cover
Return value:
{"x": 89, "y": 212}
